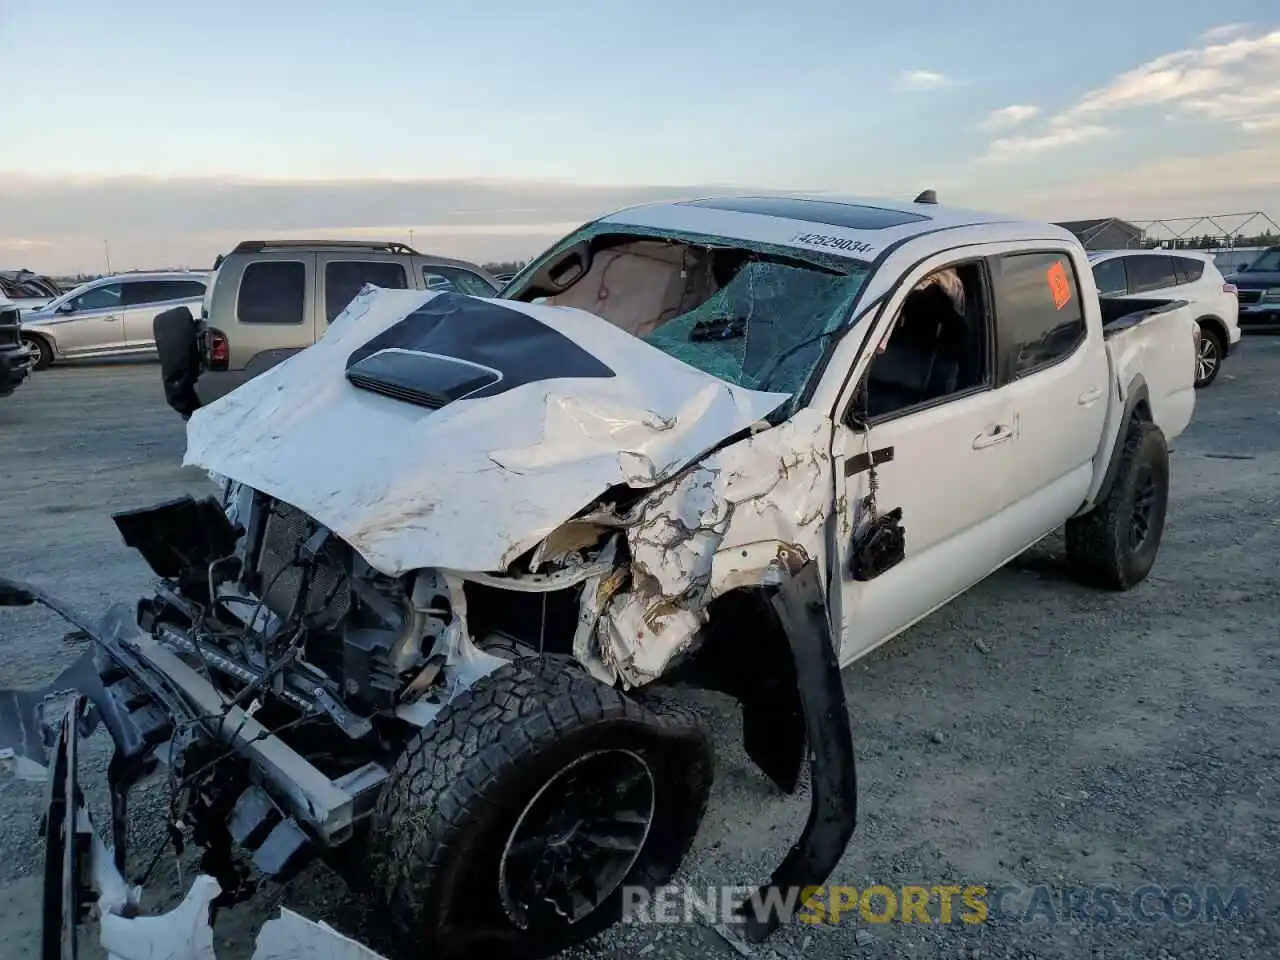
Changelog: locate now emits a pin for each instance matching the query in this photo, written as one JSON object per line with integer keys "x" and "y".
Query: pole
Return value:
{"x": 106, "y": 249}
{"x": 411, "y": 238}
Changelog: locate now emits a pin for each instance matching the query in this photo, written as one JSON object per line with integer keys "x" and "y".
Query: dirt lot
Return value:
{"x": 1031, "y": 733}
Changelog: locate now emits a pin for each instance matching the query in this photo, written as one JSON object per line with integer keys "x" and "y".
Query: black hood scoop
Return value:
{"x": 455, "y": 347}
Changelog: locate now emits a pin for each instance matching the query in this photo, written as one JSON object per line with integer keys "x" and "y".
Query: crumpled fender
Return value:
{"x": 833, "y": 809}
{"x": 715, "y": 528}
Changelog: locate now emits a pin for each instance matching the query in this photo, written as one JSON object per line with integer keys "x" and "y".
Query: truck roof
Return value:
{"x": 854, "y": 227}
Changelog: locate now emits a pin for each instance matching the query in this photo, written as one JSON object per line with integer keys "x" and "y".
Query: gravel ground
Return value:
{"x": 1031, "y": 733}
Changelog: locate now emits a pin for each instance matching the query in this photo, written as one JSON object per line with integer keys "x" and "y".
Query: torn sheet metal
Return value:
{"x": 717, "y": 527}
{"x": 477, "y": 482}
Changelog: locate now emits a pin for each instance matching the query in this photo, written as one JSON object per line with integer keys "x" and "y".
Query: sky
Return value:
{"x": 159, "y": 134}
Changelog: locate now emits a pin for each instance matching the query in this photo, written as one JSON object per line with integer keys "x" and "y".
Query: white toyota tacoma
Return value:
{"x": 462, "y": 543}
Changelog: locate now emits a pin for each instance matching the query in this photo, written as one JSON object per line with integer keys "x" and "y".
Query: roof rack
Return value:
{"x": 382, "y": 246}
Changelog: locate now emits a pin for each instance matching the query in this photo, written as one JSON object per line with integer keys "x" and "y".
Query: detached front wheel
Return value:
{"x": 1115, "y": 545}
{"x": 513, "y": 824}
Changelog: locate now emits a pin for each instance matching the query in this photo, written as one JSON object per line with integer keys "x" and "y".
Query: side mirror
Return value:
{"x": 67, "y": 307}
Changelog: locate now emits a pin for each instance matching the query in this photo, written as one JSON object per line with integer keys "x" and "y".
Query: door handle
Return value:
{"x": 998, "y": 434}
{"x": 1092, "y": 395}
{"x": 111, "y": 318}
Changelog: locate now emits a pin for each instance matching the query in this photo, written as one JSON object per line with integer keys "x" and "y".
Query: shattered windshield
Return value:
{"x": 755, "y": 315}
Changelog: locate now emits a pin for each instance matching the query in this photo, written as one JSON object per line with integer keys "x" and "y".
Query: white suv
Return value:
{"x": 1177, "y": 275}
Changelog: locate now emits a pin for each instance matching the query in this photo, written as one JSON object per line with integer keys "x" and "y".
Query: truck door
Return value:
{"x": 931, "y": 430}
{"x": 1053, "y": 363}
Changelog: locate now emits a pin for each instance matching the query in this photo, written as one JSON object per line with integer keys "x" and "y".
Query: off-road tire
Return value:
{"x": 1210, "y": 334}
{"x": 44, "y": 350}
{"x": 458, "y": 789}
{"x": 1099, "y": 545}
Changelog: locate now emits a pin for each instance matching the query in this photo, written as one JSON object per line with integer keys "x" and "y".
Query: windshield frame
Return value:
{"x": 846, "y": 267}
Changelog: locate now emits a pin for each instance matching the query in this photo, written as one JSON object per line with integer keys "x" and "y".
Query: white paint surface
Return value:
{"x": 473, "y": 485}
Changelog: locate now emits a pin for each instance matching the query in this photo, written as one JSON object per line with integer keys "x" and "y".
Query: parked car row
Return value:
{"x": 268, "y": 299}
{"x": 263, "y": 301}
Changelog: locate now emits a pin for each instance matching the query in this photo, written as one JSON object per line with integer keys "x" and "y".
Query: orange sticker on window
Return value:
{"x": 1059, "y": 285}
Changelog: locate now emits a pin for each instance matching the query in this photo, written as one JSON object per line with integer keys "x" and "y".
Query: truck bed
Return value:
{"x": 1122, "y": 314}
{"x": 1152, "y": 345}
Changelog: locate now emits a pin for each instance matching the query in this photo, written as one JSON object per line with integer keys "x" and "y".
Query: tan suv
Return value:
{"x": 269, "y": 299}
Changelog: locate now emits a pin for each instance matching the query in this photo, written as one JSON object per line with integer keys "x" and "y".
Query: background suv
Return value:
{"x": 269, "y": 299}
{"x": 1259, "y": 286}
{"x": 107, "y": 317}
{"x": 1177, "y": 275}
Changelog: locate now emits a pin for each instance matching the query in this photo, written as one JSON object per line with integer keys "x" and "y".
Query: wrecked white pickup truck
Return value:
{"x": 461, "y": 543}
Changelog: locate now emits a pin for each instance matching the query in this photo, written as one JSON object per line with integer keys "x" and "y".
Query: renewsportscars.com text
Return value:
{"x": 941, "y": 904}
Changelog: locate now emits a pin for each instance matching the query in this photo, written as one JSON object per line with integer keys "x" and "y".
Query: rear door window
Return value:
{"x": 1039, "y": 316}
{"x": 455, "y": 280}
{"x": 1149, "y": 272}
{"x": 1111, "y": 277}
{"x": 273, "y": 291}
{"x": 344, "y": 278}
{"x": 161, "y": 291}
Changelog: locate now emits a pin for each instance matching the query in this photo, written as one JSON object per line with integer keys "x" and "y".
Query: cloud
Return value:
{"x": 1007, "y": 149}
{"x": 922, "y": 80}
{"x": 1237, "y": 81}
{"x": 1224, "y": 32}
{"x": 1179, "y": 186}
{"x": 1009, "y": 116}
{"x": 1229, "y": 78}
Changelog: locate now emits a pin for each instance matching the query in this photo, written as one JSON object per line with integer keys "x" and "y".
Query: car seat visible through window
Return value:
{"x": 923, "y": 356}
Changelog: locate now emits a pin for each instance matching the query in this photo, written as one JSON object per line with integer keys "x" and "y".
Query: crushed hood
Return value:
{"x": 479, "y": 427}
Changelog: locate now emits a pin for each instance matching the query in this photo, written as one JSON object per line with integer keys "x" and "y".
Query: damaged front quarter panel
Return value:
{"x": 716, "y": 527}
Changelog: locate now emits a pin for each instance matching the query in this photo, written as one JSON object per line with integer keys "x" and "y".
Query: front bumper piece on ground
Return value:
{"x": 81, "y": 874}
{"x": 141, "y": 693}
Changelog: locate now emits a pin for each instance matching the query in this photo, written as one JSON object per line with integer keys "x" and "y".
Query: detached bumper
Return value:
{"x": 81, "y": 876}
